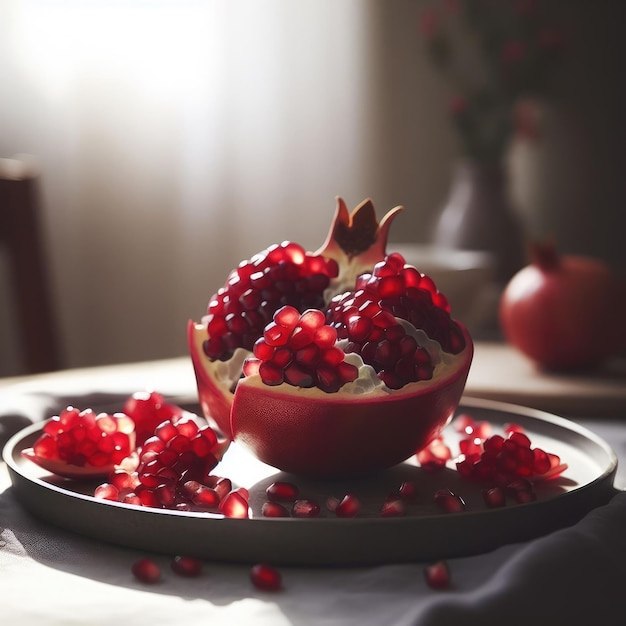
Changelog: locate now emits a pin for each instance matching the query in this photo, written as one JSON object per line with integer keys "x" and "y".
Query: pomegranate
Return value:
{"x": 350, "y": 359}
{"x": 564, "y": 312}
{"x": 82, "y": 445}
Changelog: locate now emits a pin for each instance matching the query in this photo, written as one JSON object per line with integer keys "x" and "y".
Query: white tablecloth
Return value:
{"x": 50, "y": 576}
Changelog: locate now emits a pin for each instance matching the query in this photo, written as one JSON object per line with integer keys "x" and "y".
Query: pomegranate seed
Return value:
{"x": 274, "y": 509}
{"x": 205, "y": 497}
{"x": 434, "y": 456}
{"x": 471, "y": 445}
{"x": 106, "y": 491}
{"x": 282, "y": 492}
{"x": 494, "y": 497}
{"x": 146, "y": 570}
{"x": 394, "y": 507}
{"x": 148, "y": 410}
{"x": 408, "y": 491}
{"x": 223, "y": 486}
{"x": 523, "y": 497}
{"x": 541, "y": 461}
{"x": 349, "y": 506}
{"x": 186, "y": 566}
{"x": 519, "y": 438}
{"x": 513, "y": 428}
{"x": 266, "y": 578}
{"x": 437, "y": 575}
{"x": 234, "y": 505}
{"x": 305, "y": 508}
{"x": 332, "y": 503}
{"x": 449, "y": 501}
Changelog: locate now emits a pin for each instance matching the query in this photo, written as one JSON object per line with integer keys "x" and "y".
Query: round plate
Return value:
{"x": 425, "y": 533}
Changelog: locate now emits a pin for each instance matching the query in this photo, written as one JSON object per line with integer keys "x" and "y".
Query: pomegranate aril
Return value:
{"x": 541, "y": 461}
{"x": 471, "y": 445}
{"x": 106, "y": 491}
{"x": 434, "y": 456}
{"x": 266, "y": 578}
{"x": 521, "y": 484}
{"x": 305, "y": 508}
{"x": 408, "y": 491}
{"x": 274, "y": 509}
{"x": 166, "y": 431}
{"x": 298, "y": 376}
{"x": 187, "y": 566}
{"x": 449, "y": 501}
{"x": 205, "y": 497}
{"x": 308, "y": 356}
{"x": 275, "y": 335}
{"x": 394, "y": 507}
{"x": 146, "y": 570}
{"x": 437, "y": 575}
{"x": 234, "y": 505}
{"x": 523, "y": 497}
{"x": 270, "y": 373}
{"x": 282, "y": 492}
{"x": 222, "y": 485}
{"x": 332, "y": 503}
{"x": 349, "y": 506}
{"x": 494, "y": 497}
{"x": 519, "y": 438}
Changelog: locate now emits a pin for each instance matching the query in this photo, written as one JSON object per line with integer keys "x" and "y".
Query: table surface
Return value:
{"x": 50, "y": 576}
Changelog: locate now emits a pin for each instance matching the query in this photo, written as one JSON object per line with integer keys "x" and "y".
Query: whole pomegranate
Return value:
{"x": 563, "y": 311}
{"x": 336, "y": 362}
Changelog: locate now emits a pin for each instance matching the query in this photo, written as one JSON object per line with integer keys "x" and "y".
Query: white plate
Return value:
{"x": 423, "y": 534}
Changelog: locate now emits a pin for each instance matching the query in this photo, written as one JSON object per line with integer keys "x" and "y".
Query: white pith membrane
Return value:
{"x": 227, "y": 374}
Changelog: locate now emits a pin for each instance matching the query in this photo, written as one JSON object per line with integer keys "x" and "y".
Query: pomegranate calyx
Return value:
{"x": 358, "y": 231}
{"x": 356, "y": 240}
{"x": 544, "y": 255}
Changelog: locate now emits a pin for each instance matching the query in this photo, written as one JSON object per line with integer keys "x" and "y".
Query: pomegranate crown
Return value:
{"x": 358, "y": 233}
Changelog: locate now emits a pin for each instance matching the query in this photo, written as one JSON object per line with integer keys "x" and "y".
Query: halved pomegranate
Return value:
{"x": 350, "y": 359}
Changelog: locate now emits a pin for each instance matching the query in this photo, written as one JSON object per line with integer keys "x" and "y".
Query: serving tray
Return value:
{"x": 424, "y": 533}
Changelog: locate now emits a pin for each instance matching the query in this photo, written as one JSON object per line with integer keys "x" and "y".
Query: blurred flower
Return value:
{"x": 498, "y": 56}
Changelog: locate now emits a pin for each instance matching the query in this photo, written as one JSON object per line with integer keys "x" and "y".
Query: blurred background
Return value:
{"x": 175, "y": 138}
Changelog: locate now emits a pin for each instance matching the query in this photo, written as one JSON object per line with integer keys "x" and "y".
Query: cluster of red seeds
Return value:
{"x": 299, "y": 349}
{"x": 173, "y": 471}
{"x": 509, "y": 465}
{"x": 84, "y": 438}
{"x": 502, "y": 460}
{"x": 281, "y": 275}
{"x": 367, "y": 319}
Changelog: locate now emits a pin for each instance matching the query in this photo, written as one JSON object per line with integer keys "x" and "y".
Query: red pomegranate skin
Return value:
{"x": 341, "y": 434}
{"x": 563, "y": 312}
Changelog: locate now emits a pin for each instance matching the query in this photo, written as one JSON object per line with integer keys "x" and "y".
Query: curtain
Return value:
{"x": 175, "y": 138}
